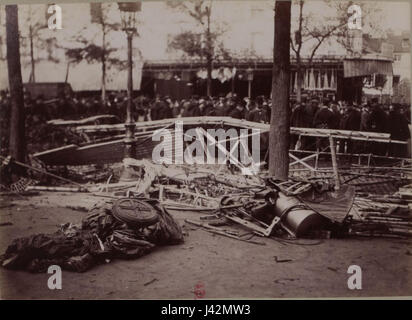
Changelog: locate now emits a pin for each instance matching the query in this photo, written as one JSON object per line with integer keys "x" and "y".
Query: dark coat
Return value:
{"x": 220, "y": 110}
{"x": 157, "y": 110}
{"x": 377, "y": 121}
{"x": 351, "y": 120}
{"x": 298, "y": 118}
{"x": 324, "y": 118}
{"x": 258, "y": 115}
{"x": 310, "y": 112}
{"x": 208, "y": 110}
{"x": 237, "y": 114}
{"x": 192, "y": 110}
{"x": 397, "y": 126}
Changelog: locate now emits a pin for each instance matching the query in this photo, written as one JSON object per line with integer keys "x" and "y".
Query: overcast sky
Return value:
{"x": 394, "y": 15}
{"x": 397, "y": 15}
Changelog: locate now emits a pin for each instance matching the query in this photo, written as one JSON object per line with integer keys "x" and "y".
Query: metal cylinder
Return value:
{"x": 295, "y": 219}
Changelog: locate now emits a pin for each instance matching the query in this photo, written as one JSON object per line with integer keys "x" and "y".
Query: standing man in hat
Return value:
{"x": 399, "y": 130}
{"x": 377, "y": 122}
{"x": 323, "y": 119}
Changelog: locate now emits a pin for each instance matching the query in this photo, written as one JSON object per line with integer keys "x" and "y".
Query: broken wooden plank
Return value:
{"x": 218, "y": 231}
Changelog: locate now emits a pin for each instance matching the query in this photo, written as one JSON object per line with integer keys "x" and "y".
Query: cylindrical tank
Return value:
{"x": 297, "y": 220}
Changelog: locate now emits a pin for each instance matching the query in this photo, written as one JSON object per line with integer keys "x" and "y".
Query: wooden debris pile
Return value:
{"x": 300, "y": 207}
{"x": 389, "y": 216}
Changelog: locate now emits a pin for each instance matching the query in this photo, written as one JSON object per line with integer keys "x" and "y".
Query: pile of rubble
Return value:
{"x": 134, "y": 218}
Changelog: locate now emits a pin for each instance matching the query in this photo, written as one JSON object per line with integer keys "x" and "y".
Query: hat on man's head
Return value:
{"x": 259, "y": 100}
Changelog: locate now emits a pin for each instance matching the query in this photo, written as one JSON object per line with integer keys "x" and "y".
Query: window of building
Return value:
{"x": 395, "y": 80}
{"x": 405, "y": 43}
{"x": 397, "y": 57}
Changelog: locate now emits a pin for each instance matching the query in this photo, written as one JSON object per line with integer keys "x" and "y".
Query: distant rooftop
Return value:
{"x": 401, "y": 42}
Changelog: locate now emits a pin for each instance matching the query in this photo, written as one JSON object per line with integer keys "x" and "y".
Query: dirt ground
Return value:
{"x": 224, "y": 267}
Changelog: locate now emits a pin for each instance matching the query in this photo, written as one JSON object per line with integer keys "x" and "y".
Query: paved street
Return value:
{"x": 226, "y": 267}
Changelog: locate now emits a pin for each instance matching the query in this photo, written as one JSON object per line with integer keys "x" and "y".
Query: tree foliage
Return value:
{"x": 86, "y": 49}
{"x": 91, "y": 52}
{"x": 204, "y": 40}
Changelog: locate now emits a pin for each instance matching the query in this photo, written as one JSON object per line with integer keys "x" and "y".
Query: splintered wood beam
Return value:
{"x": 264, "y": 127}
{"x": 334, "y": 162}
{"x": 297, "y": 160}
{"x": 304, "y": 159}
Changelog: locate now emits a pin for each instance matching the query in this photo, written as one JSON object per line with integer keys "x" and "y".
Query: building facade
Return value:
{"x": 245, "y": 29}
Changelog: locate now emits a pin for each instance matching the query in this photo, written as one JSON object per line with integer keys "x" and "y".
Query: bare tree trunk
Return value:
{"x": 279, "y": 123}
{"x": 103, "y": 79}
{"x": 17, "y": 130}
{"x": 209, "y": 76}
{"x": 104, "y": 64}
{"x": 33, "y": 71}
{"x": 298, "y": 40}
{"x": 209, "y": 55}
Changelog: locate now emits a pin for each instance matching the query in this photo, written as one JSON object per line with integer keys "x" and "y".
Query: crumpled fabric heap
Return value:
{"x": 99, "y": 238}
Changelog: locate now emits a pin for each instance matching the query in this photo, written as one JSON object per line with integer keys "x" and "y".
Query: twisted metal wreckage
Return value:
{"x": 318, "y": 200}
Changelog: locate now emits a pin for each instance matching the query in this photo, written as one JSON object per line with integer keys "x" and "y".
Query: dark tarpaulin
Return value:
{"x": 334, "y": 205}
{"x": 99, "y": 237}
{"x": 364, "y": 67}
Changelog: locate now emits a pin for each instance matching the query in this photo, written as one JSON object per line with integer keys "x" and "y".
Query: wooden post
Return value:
{"x": 334, "y": 162}
{"x": 17, "y": 118}
{"x": 67, "y": 72}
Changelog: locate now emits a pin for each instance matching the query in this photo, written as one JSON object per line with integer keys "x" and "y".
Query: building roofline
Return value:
{"x": 258, "y": 63}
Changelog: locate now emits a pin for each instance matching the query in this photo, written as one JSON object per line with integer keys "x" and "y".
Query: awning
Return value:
{"x": 364, "y": 67}
{"x": 371, "y": 91}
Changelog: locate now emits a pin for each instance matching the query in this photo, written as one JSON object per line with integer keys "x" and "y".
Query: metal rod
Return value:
{"x": 44, "y": 172}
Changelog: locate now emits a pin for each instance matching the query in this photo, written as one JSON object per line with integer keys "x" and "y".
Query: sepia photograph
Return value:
{"x": 205, "y": 149}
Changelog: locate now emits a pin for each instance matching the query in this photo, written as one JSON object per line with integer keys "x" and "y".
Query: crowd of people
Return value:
{"x": 309, "y": 113}
{"x": 370, "y": 117}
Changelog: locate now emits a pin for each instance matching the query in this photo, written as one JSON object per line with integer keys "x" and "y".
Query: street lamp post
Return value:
{"x": 249, "y": 73}
{"x": 129, "y": 124}
{"x": 128, "y": 12}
